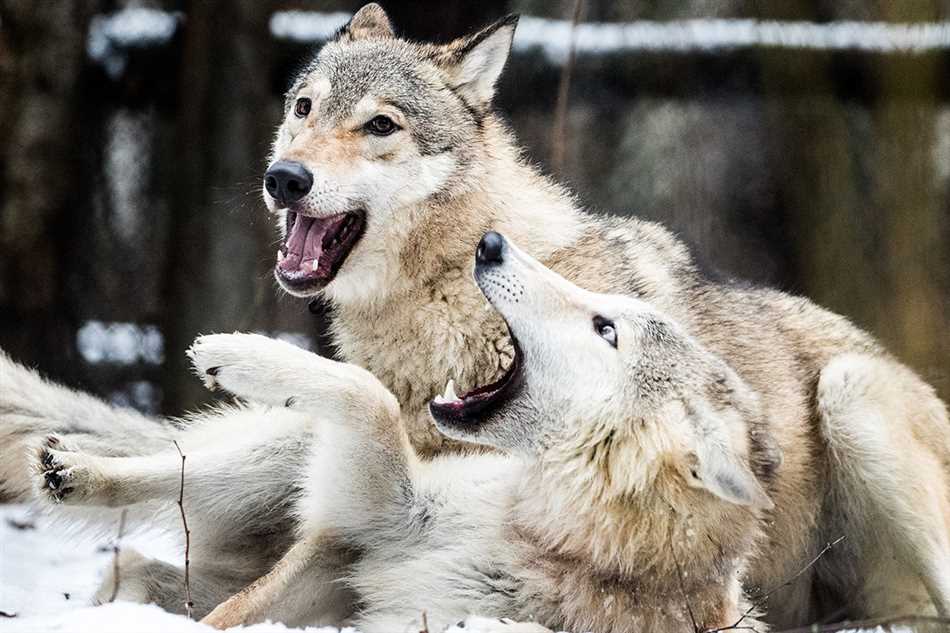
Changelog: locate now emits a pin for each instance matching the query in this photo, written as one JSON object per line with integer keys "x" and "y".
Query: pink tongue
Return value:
{"x": 304, "y": 244}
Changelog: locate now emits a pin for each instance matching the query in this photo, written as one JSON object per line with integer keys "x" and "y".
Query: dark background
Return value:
{"x": 131, "y": 219}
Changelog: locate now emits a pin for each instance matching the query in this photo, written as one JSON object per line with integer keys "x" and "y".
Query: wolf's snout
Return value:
{"x": 490, "y": 249}
{"x": 287, "y": 182}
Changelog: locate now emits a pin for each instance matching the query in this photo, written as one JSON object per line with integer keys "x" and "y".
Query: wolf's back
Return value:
{"x": 32, "y": 407}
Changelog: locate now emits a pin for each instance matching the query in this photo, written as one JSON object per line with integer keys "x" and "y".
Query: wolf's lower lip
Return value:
{"x": 474, "y": 406}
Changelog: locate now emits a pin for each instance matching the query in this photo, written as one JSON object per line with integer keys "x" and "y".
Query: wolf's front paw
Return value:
{"x": 61, "y": 474}
{"x": 250, "y": 366}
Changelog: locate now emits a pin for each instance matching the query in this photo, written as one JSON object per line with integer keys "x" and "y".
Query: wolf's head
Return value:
{"x": 373, "y": 127}
{"x": 605, "y": 379}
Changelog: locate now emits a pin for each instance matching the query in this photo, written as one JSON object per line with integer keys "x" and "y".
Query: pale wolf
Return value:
{"x": 632, "y": 487}
{"x": 389, "y": 165}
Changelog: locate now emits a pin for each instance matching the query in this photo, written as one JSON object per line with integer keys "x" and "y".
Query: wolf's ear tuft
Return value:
{"x": 370, "y": 22}
{"x": 724, "y": 474}
{"x": 475, "y": 63}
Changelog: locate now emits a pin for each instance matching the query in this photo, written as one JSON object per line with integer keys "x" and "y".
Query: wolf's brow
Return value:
{"x": 403, "y": 106}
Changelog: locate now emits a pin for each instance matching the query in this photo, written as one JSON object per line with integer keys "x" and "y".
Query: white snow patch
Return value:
{"x": 43, "y": 561}
{"x": 109, "y": 35}
{"x": 128, "y": 158}
{"x": 306, "y": 26}
{"x": 120, "y": 343}
{"x": 40, "y": 564}
{"x": 553, "y": 37}
{"x": 125, "y": 617}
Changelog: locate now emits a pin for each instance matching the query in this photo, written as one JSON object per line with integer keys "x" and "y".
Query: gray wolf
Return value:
{"x": 398, "y": 165}
{"x": 624, "y": 446}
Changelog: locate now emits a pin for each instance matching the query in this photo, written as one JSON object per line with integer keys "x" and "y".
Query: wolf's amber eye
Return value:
{"x": 381, "y": 125}
{"x": 605, "y": 329}
{"x": 302, "y": 107}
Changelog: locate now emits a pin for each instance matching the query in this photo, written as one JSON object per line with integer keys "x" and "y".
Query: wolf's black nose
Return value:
{"x": 287, "y": 182}
{"x": 490, "y": 249}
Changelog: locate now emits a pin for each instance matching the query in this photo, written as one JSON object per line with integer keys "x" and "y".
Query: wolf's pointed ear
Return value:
{"x": 370, "y": 22}
{"x": 724, "y": 475}
{"x": 721, "y": 472}
{"x": 475, "y": 63}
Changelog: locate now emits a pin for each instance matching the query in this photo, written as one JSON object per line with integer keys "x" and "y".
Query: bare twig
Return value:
{"x": 115, "y": 556}
{"x": 425, "y": 623}
{"x": 189, "y": 604}
{"x": 559, "y": 138}
{"x": 758, "y": 603}
{"x": 4, "y": 614}
{"x": 679, "y": 571}
{"x": 884, "y": 623}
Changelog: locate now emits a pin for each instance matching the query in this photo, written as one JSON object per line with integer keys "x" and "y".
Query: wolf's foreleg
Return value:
{"x": 360, "y": 471}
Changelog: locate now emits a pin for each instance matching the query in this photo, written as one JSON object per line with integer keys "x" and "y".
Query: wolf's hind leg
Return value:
{"x": 303, "y": 587}
{"x": 888, "y": 439}
{"x": 145, "y": 580}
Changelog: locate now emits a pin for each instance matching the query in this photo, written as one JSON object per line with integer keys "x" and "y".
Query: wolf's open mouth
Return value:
{"x": 474, "y": 406}
{"x": 315, "y": 248}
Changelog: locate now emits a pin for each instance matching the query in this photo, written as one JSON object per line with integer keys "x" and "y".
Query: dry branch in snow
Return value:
{"x": 189, "y": 604}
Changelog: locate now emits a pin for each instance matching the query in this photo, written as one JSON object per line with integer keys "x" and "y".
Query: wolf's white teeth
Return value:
{"x": 450, "y": 391}
{"x": 280, "y": 255}
{"x": 315, "y": 265}
{"x": 449, "y": 396}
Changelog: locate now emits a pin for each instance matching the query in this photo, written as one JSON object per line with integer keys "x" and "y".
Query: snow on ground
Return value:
{"x": 40, "y": 566}
{"x": 47, "y": 579}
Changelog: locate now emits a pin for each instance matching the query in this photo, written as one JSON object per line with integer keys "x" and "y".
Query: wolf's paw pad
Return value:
{"x": 54, "y": 477}
{"x": 57, "y": 475}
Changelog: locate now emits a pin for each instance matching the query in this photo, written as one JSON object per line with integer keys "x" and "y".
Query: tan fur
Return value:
{"x": 435, "y": 328}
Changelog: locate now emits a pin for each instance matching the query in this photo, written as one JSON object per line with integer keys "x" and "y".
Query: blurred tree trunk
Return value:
{"x": 42, "y": 55}
{"x": 868, "y": 231}
{"x": 215, "y": 258}
{"x": 915, "y": 321}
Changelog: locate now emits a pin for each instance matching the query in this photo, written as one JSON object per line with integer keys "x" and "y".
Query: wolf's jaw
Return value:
{"x": 474, "y": 406}
{"x": 315, "y": 248}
